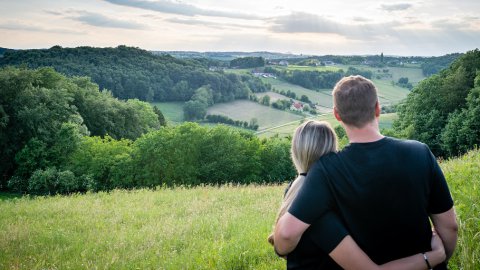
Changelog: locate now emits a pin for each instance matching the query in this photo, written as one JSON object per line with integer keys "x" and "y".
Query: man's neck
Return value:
{"x": 366, "y": 134}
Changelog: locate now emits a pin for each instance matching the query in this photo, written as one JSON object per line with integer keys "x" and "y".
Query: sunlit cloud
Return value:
{"x": 181, "y": 9}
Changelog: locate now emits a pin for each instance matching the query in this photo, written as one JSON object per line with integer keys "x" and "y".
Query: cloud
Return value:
{"x": 395, "y": 7}
{"x": 208, "y": 23}
{"x": 181, "y": 9}
{"x": 100, "y": 20}
{"x": 299, "y": 22}
{"x": 361, "y": 19}
{"x": 35, "y": 28}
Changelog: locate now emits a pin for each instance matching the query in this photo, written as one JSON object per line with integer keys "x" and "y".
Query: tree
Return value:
{"x": 194, "y": 109}
{"x": 161, "y": 118}
{"x": 265, "y": 100}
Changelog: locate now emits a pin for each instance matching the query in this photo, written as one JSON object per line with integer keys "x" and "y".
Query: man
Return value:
{"x": 386, "y": 191}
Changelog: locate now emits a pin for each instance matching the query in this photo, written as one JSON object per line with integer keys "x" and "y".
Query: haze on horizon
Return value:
{"x": 410, "y": 27}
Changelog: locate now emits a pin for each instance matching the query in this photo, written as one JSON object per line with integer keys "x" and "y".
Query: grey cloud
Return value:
{"x": 180, "y": 9}
{"x": 53, "y": 12}
{"x": 300, "y": 22}
{"x": 100, "y": 20}
{"x": 36, "y": 28}
{"x": 361, "y": 19}
{"x": 395, "y": 7}
{"x": 208, "y": 23}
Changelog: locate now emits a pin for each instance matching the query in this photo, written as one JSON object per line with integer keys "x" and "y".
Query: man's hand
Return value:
{"x": 288, "y": 232}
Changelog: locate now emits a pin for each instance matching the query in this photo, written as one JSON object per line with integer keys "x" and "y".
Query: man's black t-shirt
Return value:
{"x": 382, "y": 191}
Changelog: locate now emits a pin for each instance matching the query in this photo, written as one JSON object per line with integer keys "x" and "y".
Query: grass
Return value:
{"x": 463, "y": 176}
{"x": 245, "y": 110}
{"x": 198, "y": 228}
{"x": 323, "y": 97}
{"x": 386, "y": 121}
{"x": 173, "y": 111}
{"x": 183, "y": 228}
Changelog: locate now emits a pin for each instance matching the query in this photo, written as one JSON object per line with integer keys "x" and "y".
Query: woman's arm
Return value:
{"x": 349, "y": 256}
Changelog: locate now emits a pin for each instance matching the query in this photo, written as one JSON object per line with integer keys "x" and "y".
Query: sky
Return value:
{"x": 311, "y": 27}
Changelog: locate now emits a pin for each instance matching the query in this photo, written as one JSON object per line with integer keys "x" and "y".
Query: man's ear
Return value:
{"x": 337, "y": 115}
{"x": 377, "y": 109}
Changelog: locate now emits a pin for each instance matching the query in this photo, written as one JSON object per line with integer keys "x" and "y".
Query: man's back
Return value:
{"x": 384, "y": 192}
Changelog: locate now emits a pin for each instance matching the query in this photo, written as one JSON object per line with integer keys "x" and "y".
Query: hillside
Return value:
{"x": 134, "y": 73}
{"x": 202, "y": 228}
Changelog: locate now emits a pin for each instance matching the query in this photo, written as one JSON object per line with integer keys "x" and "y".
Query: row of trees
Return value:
{"x": 247, "y": 62}
{"x": 216, "y": 118}
{"x": 314, "y": 79}
{"x": 188, "y": 154}
{"x": 444, "y": 109}
{"x": 43, "y": 115}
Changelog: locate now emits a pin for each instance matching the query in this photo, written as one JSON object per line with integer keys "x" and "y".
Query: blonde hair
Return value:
{"x": 355, "y": 98}
{"x": 310, "y": 141}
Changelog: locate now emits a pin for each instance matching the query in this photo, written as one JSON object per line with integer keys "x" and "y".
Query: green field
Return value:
{"x": 198, "y": 228}
{"x": 386, "y": 121}
{"x": 173, "y": 111}
{"x": 323, "y": 97}
{"x": 245, "y": 110}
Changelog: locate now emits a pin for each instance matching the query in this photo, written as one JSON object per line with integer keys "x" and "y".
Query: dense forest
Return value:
{"x": 134, "y": 73}
{"x": 443, "y": 110}
{"x": 247, "y": 62}
{"x": 43, "y": 114}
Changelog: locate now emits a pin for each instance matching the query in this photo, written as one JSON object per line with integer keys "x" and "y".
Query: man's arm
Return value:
{"x": 349, "y": 256}
{"x": 445, "y": 225}
{"x": 288, "y": 232}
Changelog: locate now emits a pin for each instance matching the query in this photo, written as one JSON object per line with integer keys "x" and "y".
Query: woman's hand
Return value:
{"x": 437, "y": 255}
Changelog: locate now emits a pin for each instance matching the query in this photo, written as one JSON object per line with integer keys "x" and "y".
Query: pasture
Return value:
{"x": 182, "y": 228}
{"x": 173, "y": 111}
{"x": 245, "y": 110}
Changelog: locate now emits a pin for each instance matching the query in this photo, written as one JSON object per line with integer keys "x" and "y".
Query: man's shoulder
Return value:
{"x": 412, "y": 146}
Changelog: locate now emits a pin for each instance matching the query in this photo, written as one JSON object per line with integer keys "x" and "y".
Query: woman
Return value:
{"x": 310, "y": 141}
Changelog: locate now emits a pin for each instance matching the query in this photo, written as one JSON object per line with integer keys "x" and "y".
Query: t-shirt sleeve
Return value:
{"x": 328, "y": 232}
{"x": 440, "y": 199}
{"x": 314, "y": 198}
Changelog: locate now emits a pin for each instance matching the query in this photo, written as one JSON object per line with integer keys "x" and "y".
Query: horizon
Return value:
{"x": 402, "y": 28}
{"x": 246, "y": 52}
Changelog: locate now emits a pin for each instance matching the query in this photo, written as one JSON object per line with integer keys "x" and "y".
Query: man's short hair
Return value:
{"x": 354, "y": 98}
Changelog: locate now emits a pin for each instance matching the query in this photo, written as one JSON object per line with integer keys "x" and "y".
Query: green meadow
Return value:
{"x": 182, "y": 228}
{"x": 245, "y": 110}
{"x": 173, "y": 111}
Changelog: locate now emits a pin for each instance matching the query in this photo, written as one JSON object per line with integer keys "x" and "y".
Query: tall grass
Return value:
{"x": 183, "y": 228}
{"x": 463, "y": 176}
{"x": 198, "y": 228}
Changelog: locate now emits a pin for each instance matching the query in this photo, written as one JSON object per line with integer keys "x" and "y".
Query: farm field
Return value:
{"x": 173, "y": 111}
{"x": 182, "y": 228}
{"x": 386, "y": 121}
{"x": 390, "y": 94}
{"x": 323, "y": 97}
{"x": 245, "y": 110}
{"x": 273, "y": 96}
